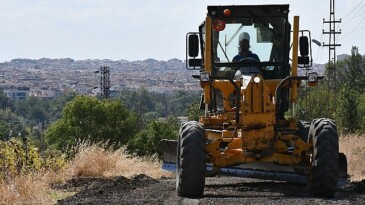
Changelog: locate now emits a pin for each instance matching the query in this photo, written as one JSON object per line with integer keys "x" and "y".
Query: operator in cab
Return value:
{"x": 245, "y": 55}
{"x": 244, "y": 49}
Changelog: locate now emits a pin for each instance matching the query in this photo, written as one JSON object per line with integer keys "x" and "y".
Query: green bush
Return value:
{"x": 86, "y": 118}
{"x": 148, "y": 141}
{"x": 19, "y": 156}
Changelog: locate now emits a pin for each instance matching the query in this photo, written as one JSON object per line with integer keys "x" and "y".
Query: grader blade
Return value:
{"x": 253, "y": 170}
{"x": 239, "y": 171}
{"x": 169, "y": 149}
{"x": 250, "y": 173}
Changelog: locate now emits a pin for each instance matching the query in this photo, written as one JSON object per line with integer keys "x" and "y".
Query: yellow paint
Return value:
{"x": 208, "y": 57}
{"x": 246, "y": 141}
{"x": 293, "y": 96}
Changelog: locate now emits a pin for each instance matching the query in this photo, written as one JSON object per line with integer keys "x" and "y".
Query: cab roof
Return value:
{"x": 245, "y": 11}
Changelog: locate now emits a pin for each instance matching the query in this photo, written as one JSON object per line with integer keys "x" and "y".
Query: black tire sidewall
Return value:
{"x": 325, "y": 151}
{"x": 191, "y": 160}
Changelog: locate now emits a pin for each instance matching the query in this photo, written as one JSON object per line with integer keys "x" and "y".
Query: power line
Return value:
{"x": 357, "y": 6}
{"x": 354, "y": 17}
{"x": 360, "y": 29}
{"x": 353, "y": 30}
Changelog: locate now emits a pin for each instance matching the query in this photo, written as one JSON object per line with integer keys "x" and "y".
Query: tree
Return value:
{"x": 10, "y": 124}
{"x": 350, "y": 100}
{"x": 165, "y": 104}
{"x": 148, "y": 141}
{"x": 361, "y": 112}
{"x": 194, "y": 111}
{"x": 86, "y": 118}
{"x": 181, "y": 101}
{"x": 38, "y": 114}
{"x": 348, "y": 107}
{"x": 351, "y": 71}
{"x": 351, "y": 83}
{"x": 4, "y": 130}
{"x": 313, "y": 102}
{"x": 33, "y": 109}
{"x": 58, "y": 104}
{"x": 140, "y": 101}
{"x": 4, "y": 101}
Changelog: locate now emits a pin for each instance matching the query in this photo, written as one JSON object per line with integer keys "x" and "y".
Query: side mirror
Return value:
{"x": 192, "y": 51}
{"x": 193, "y": 45}
{"x": 304, "y": 50}
{"x": 304, "y": 46}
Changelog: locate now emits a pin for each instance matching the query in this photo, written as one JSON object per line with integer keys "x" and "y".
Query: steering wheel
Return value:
{"x": 250, "y": 69}
{"x": 248, "y": 60}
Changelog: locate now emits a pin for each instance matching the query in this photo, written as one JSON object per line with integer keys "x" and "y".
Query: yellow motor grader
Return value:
{"x": 246, "y": 129}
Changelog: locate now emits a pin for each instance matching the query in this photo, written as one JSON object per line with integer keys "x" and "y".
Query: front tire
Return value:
{"x": 325, "y": 158}
{"x": 191, "y": 160}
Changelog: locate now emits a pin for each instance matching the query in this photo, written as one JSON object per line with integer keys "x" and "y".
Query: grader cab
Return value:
{"x": 246, "y": 129}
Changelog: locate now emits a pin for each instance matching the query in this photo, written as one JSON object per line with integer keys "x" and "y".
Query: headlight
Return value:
{"x": 256, "y": 79}
{"x": 204, "y": 77}
{"x": 312, "y": 77}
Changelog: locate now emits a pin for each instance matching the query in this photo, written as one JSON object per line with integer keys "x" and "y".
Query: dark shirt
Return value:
{"x": 239, "y": 57}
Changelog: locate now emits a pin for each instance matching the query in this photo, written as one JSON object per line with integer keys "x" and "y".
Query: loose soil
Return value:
{"x": 142, "y": 189}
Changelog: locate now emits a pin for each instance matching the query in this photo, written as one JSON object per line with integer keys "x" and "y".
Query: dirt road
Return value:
{"x": 218, "y": 190}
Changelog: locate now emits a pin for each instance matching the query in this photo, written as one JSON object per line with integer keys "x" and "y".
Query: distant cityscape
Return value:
{"x": 49, "y": 78}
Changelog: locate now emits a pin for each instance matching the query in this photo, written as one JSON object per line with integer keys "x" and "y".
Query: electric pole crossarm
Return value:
{"x": 331, "y": 45}
{"x": 331, "y": 32}
{"x": 338, "y": 21}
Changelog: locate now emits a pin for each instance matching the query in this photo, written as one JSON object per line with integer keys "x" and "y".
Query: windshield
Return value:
{"x": 261, "y": 39}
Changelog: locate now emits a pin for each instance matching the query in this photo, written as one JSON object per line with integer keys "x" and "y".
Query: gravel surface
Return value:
{"x": 218, "y": 190}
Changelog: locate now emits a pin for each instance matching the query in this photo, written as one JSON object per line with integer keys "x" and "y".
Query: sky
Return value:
{"x": 142, "y": 29}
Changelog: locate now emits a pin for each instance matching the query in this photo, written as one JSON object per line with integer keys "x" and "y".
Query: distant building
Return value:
{"x": 16, "y": 94}
{"x": 81, "y": 89}
{"x": 42, "y": 94}
{"x": 58, "y": 92}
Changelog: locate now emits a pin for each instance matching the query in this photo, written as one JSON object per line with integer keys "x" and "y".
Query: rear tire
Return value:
{"x": 325, "y": 158}
{"x": 342, "y": 166}
{"x": 191, "y": 160}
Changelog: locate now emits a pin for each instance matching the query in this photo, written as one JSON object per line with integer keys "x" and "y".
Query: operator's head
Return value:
{"x": 244, "y": 41}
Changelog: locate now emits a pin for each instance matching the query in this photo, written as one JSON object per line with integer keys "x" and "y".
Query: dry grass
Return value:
{"x": 90, "y": 161}
{"x": 354, "y": 148}
{"x": 97, "y": 161}
{"x": 26, "y": 189}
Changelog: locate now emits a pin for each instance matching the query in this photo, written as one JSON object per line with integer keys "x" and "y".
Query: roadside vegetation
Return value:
{"x": 45, "y": 143}
{"x": 34, "y": 186}
{"x": 88, "y": 137}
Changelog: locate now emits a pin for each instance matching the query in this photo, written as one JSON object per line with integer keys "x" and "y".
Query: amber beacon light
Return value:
{"x": 227, "y": 12}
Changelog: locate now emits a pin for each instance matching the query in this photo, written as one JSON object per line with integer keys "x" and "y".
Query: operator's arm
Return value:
{"x": 237, "y": 58}
{"x": 256, "y": 57}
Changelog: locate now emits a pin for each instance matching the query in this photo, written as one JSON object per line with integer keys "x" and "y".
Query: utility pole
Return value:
{"x": 105, "y": 82}
{"x": 331, "y": 70}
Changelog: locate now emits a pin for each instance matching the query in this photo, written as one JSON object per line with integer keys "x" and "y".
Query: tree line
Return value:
{"x": 136, "y": 119}
{"x": 342, "y": 100}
